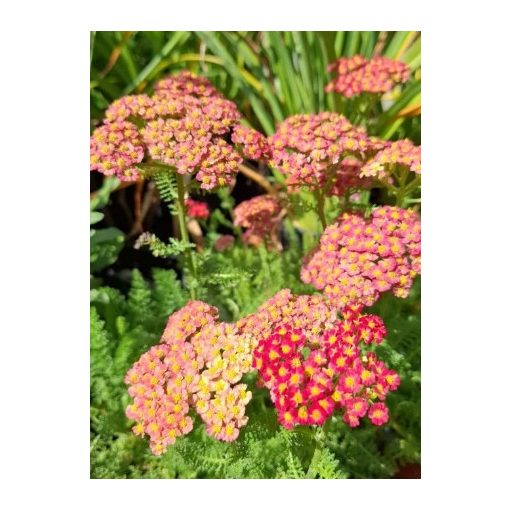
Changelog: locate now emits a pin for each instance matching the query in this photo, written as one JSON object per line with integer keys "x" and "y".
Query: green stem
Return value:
{"x": 320, "y": 207}
{"x": 181, "y": 214}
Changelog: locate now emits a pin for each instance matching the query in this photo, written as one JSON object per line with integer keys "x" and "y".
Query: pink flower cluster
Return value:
{"x": 357, "y": 75}
{"x": 254, "y": 144}
{"x": 224, "y": 242}
{"x": 309, "y": 150}
{"x": 182, "y": 125}
{"x": 357, "y": 259}
{"x": 198, "y": 365}
{"x": 197, "y": 209}
{"x": 261, "y": 217}
{"x": 309, "y": 313}
{"x": 310, "y": 377}
{"x": 115, "y": 149}
{"x": 402, "y": 152}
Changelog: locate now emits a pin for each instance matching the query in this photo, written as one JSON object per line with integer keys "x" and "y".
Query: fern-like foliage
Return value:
{"x": 167, "y": 187}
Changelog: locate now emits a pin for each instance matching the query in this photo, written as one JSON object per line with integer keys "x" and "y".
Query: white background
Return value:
{"x": 44, "y": 254}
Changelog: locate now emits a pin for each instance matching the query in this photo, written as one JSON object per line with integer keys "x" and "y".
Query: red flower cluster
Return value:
{"x": 261, "y": 217}
{"x": 308, "y": 378}
{"x": 358, "y": 259}
{"x": 310, "y": 150}
{"x": 357, "y": 75}
{"x": 197, "y": 209}
{"x": 183, "y": 126}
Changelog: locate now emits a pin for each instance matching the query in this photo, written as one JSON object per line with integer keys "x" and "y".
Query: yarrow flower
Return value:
{"x": 197, "y": 209}
{"x": 182, "y": 125}
{"x": 357, "y": 259}
{"x": 199, "y": 365}
{"x": 356, "y": 75}
{"x": 254, "y": 144}
{"x": 223, "y": 242}
{"x": 311, "y": 377}
{"x": 115, "y": 149}
{"x": 401, "y": 153}
{"x": 261, "y": 217}
{"x": 320, "y": 151}
{"x": 310, "y": 313}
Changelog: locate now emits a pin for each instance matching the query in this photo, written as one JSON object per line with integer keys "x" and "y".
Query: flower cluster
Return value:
{"x": 357, "y": 259}
{"x": 356, "y": 75}
{"x": 310, "y": 313}
{"x": 402, "y": 152}
{"x": 115, "y": 149}
{"x": 309, "y": 150}
{"x": 182, "y": 125}
{"x": 254, "y": 144}
{"x": 261, "y": 217}
{"x": 198, "y": 364}
{"x": 224, "y": 242}
{"x": 197, "y": 209}
{"x": 309, "y": 378}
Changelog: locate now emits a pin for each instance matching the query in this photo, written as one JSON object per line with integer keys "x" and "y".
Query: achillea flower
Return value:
{"x": 199, "y": 365}
{"x": 182, "y": 125}
{"x": 311, "y": 376}
{"x": 115, "y": 149}
{"x": 320, "y": 152}
{"x": 357, "y": 259}
{"x": 254, "y": 144}
{"x": 197, "y": 209}
{"x": 261, "y": 218}
{"x": 356, "y": 75}
{"x": 401, "y": 153}
{"x": 224, "y": 242}
{"x": 311, "y": 314}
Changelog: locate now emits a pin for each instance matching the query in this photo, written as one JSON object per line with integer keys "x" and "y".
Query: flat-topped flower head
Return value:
{"x": 309, "y": 377}
{"x": 184, "y": 125}
{"x": 358, "y": 259}
{"x": 261, "y": 217}
{"x": 356, "y": 75}
{"x": 198, "y": 365}
{"x": 320, "y": 151}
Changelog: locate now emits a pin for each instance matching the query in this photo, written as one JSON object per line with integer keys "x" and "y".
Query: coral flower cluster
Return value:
{"x": 261, "y": 217}
{"x": 357, "y": 259}
{"x": 182, "y": 125}
{"x": 310, "y": 150}
{"x": 311, "y": 377}
{"x": 401, "y": 153}
{"x": 254, "y": 144}
{"x": 198, "y": 364}
{"x": 197, "y": 209}
{"x": 310, "y": 313}
{"x": 356, "y": 75}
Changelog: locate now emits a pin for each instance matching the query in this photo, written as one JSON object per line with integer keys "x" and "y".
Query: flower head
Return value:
{"x": 356, "y": 75}
{"x": 358, "y": 259}
{"x": 309, "y": 376}
{"x": 182, "y": 125}
{"x": 197, "y": 209}
{"x": 319, "y": 151}
{"x": 260, "y": 216}
{"x": 199, "y": 365}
